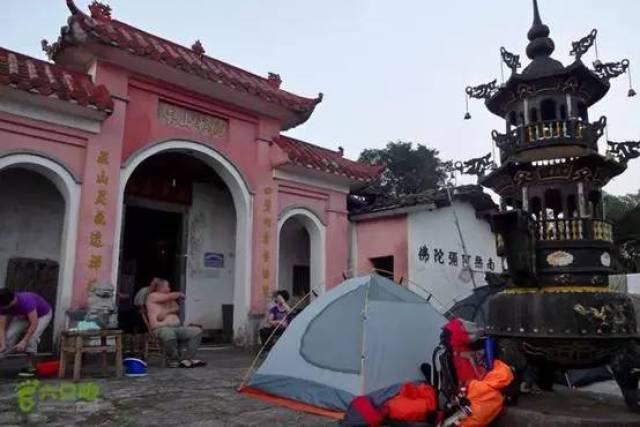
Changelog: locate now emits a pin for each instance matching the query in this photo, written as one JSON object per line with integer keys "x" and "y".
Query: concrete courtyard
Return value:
{"x": 185, "y": 397}
{"x": 207, "y": 397}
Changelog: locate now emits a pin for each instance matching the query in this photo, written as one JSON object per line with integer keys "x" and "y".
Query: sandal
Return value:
{"x": 187, "y": 364}
{"x": 195, "y": 363}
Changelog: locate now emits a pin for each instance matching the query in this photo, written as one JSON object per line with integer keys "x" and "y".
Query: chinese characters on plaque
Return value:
{"x": 179, "y": 117}
{"x": 439, "y": 256}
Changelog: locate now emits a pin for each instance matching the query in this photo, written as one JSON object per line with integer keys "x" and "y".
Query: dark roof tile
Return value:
{"x": 311, "y": 156}
{"x": 46, "y": 79}
{"x": 103, "y": 29}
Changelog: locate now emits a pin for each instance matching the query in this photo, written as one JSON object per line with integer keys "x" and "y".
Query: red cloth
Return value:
{"x": 361, "y": 410}
{"x": 413, "y": 403}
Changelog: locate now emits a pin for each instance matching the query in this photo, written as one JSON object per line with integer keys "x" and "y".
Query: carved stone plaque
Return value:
{"x": 183, "y": 118}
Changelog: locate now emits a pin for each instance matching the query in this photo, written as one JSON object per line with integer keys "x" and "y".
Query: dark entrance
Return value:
{"x": 383, "y": 266}
{"x": 151, "y": 248}
{"x": 301, "y": 280}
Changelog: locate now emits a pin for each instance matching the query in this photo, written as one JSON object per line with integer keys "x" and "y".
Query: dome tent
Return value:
{"x": 366, "y": 336}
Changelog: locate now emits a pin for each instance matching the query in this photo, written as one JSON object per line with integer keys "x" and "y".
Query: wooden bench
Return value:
{"x": 74, "y": 343}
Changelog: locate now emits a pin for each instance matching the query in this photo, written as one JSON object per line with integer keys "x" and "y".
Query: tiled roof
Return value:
{"x": 100, "y": 28}
{"x": 46, "y": 79}
{"x": 473, "y": 194}
{"x": 324, "y": 160}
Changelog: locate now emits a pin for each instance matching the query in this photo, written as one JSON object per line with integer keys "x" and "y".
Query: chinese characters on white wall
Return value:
{"x": 433, "y": 255}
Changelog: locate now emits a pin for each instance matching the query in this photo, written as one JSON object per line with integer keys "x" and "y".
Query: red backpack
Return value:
{"x": 460, "y": 337}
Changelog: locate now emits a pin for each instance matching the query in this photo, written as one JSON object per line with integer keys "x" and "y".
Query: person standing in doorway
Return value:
{"x": 24, "y": 316}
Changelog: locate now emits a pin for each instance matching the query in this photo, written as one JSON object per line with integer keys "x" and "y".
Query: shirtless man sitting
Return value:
{"x": 162, "y": 311}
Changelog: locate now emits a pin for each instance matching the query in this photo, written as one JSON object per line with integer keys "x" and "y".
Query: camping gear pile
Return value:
{"x": 363, "y": 337}
{"x": 358, "y": 354}
{"x": 475, "y": 307}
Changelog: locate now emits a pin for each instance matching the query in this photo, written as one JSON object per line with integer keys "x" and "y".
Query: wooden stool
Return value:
{"x": 73, "y": 342}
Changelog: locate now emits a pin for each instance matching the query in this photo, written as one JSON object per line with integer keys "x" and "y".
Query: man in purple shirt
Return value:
{"x": 23, "y": 318}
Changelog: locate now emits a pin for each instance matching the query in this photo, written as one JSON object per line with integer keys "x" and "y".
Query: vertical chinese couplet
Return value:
{"x": 266, "y": 241}
{"x": 99, "y": 218}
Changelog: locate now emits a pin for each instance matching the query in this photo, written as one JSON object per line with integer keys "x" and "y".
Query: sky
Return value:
{"x": 389, "y": 70}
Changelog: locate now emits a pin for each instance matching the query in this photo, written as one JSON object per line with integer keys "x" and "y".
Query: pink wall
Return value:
{"x": 247, "y": 145}
{"x": 65, "y": 145}
{"x": 133, "y": 126}
{"x": 383, "y": 237}
{"x": 330, "y": 207}
{"x": 99, "y": 198}
{"x": 337, "y": 239}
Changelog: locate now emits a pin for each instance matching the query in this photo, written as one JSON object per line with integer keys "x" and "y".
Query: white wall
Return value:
{"x": 294, "y": 250}
{"x": 625, "y": 283}
{"x": 436, "y": 230}
{"x": 31, "y": 217}
{"x": 212, "y": 225}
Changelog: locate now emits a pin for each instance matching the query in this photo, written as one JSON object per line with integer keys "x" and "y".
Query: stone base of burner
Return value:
{"x": 568, "y": 408}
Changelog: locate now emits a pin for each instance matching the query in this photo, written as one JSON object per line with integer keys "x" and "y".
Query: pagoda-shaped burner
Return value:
{"x": 558, "y": 311}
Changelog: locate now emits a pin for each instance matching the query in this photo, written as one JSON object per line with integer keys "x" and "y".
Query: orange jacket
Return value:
{"x": 486, "y": 396}
{"x": 413, "y": 403}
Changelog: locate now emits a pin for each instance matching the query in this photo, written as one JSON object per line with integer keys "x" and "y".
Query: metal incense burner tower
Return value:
{"x": 558, "y": 311}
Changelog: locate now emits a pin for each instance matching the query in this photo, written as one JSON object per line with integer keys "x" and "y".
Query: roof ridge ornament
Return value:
{"x": 540, "y": 45}
{"x": 483, "y": 91}
{"x": 274, "y": 80}
{"x": 48, "y": 48}
{"x": 610, "y": 70}
{"x": 73, "y": 8}
{"x": 198, "y": 49}
{"x": 100, "y": 11}
{"x": 623, "y": 151}
{"x": 583, "y": 45}
{"x": 478, "y": 166}
{"x": 512, "y": 60}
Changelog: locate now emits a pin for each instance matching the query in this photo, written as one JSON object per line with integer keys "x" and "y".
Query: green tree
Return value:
{"x": 617, "y": 207}
{"x": 624, "y": 213}
{"x": 408, "y": 170}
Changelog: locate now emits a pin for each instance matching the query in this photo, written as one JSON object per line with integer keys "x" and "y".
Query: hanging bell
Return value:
{"x": 597, "y": 63}
{"x": 467, "y": 116}
{"x": 631, "y": 92}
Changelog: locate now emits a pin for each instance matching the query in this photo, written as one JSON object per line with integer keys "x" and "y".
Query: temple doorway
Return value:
{"x": 153, "y": 247}
{"x": 32, "y": 220}
{"x": 294, "y": 274}
{"x": 179, "y": 224}
{"x": 301, "y": 254}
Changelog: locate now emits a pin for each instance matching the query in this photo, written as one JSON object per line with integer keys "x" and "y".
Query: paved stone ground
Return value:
{"x": 184, "y": 397}
{"x": 207, "y": 397}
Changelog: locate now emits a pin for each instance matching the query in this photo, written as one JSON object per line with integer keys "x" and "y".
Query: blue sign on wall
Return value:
{"x": 213, "y": 260}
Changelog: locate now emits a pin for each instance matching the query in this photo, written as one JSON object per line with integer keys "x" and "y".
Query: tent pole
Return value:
{"x": 364, "y": 338}
{"x": 255, "y": 360}
{"x": 455, "y": 220}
